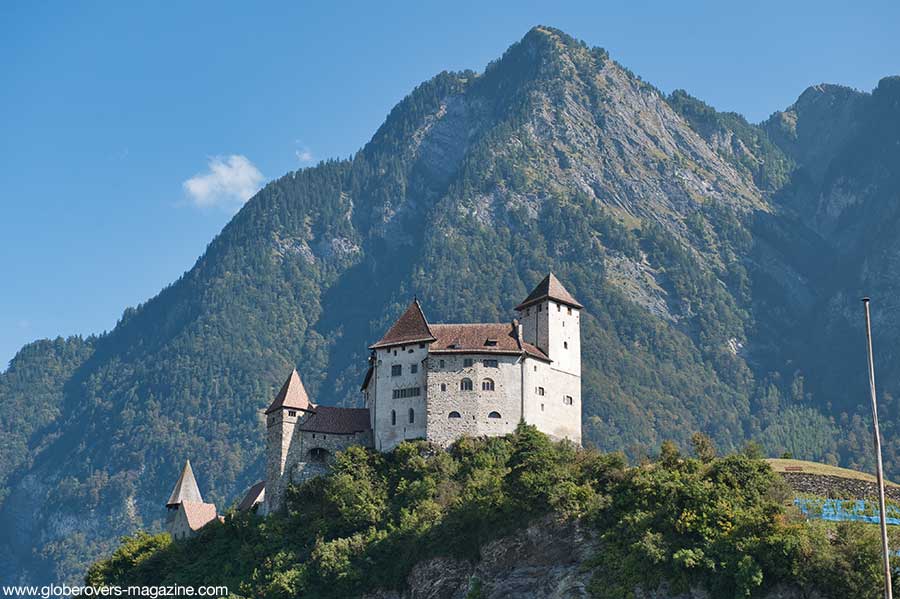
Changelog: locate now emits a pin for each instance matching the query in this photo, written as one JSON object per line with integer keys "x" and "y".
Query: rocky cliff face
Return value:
{"x": 548, "y": 560}
{"x": 719, "y": 263}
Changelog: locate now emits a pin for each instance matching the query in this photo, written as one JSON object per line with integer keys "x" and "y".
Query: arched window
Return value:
{"x": 393, "y": 417}
{"x": 487, "y": 385}
{"x": 465, "y": 385}
{"x": 412, "y": 415}
{"x": 453, "y": 415}
{"x": 494, "y": 415}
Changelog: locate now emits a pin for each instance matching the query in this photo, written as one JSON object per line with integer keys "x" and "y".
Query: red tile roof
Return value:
{"x": 198, "y": 514}
{"x": 486, "y": 338}
{"x": 338, "y": 421}
{"x": 292, "y": 395}
{"x": 411, "y": 327}
{"x": 550, "y": 288}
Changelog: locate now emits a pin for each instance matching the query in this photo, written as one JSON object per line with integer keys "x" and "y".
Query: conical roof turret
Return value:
{"x": 292, "y": 395}
{"x": 186, "y": 488}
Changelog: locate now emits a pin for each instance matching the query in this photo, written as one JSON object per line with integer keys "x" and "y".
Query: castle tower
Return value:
{"x": 281, "y": 418}
{"x": 187, "y": 511}
{"x": 185, "y": 489}
{"x": 550, "y": 318}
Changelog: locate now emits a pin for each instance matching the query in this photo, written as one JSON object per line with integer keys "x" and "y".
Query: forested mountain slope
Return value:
{"x": 719, "y": 263}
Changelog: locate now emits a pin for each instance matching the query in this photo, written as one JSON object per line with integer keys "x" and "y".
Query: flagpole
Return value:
{"x": 886, "y": 556}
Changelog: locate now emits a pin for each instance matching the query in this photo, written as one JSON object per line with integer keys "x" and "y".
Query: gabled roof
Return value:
{"x": 549, "y": 288}
{"x": 411, "y": 327}
{"x": 481, "y": 338}
{"x": 198, "y": 514}
{"x": 254, "y": 495}
{"x": 338, "y": 421}
{"x": 292, "y": 395}
{"x": 186, "y": 488}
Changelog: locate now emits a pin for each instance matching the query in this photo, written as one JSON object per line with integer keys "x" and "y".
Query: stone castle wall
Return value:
{"x": 445, "y": 373}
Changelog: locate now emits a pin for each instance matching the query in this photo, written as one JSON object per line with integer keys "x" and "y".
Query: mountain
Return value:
{"x": 719, "y": 262}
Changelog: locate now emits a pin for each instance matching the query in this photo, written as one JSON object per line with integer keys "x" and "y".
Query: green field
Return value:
{"x": 802, "y": 466}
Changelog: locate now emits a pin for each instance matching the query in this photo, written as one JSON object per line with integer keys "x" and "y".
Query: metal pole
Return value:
{"x": 886, "y": 556}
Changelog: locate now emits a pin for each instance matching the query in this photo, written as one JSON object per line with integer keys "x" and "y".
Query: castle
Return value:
{"x": 437, "y": 382}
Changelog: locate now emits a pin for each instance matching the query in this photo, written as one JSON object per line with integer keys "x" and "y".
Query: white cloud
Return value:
{"x": 304, "y": 155}
{"x": 230, "y": 181}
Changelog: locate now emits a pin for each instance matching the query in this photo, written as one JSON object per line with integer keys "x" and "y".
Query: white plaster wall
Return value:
{"x": 550, "y": 412}
{"x": 564, "y": 337}
{"x": 389, "y": 435}
{"x": 473, "y": 406}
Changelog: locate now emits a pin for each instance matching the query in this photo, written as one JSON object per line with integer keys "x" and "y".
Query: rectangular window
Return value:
{"x": 558, "y": 307}
{"x": 407, "y": 392}
{"x": 292, "y": 413}
{"x": 539, "y": 391}
{"x": 414, "y": 368}
{"x": 570, "y": 311}
{"x": 567, "y": 400}
{"x": 442, "y": 363}
{"x": 491, "y": 364}
{"x": 467, "y": 362}
{"x": 396, "y": 370}
{"x": 421, "y": 346}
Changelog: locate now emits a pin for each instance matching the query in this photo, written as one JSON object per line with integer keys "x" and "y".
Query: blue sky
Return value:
{"x": 130, "y": 132}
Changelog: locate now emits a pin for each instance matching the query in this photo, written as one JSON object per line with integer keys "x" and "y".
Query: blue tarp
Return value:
{"x": 845, "y": 510}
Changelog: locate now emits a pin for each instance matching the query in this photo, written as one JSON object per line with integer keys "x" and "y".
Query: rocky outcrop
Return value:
{"x": 547, "y": 560}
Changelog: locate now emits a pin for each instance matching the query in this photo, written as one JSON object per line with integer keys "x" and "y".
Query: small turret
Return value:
{"x": 186, "y": 488}
{"x": 187, "y": 511}
{"x": 282, "y": 415}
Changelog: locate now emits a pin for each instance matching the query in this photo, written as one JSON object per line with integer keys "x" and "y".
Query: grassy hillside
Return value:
{"x": 806, "y": 467}
{"x": 718, "y": 523}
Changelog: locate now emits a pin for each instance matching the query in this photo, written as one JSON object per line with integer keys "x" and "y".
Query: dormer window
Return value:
{"x": 490, "y": 343}
{"x": 292, "y": 412}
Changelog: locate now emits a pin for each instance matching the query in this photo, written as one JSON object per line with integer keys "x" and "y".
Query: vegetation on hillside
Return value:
{"x": 719, "y": 523}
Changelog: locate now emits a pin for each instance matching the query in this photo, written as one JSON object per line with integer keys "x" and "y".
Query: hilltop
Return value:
{"x": 519, "y": 516}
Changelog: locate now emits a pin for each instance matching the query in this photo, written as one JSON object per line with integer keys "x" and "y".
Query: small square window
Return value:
{"x": 570, "y": 311}
{"x": 567, "y": 400}
{"x": 443, "y": 386}
{"x": 292, "y": 412}
{"x": 414, "y": 368}
{"x": 396, "y": 370}
{"x": 467, "y": 362}
{"x": 441, "y": 362}
{"x": 421, "y": 346}
{"x": 410, "y": 351}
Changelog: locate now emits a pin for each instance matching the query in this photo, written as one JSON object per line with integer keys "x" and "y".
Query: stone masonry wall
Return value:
{"x": 474, "y": 407}
{"x": 836, "y": 487}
